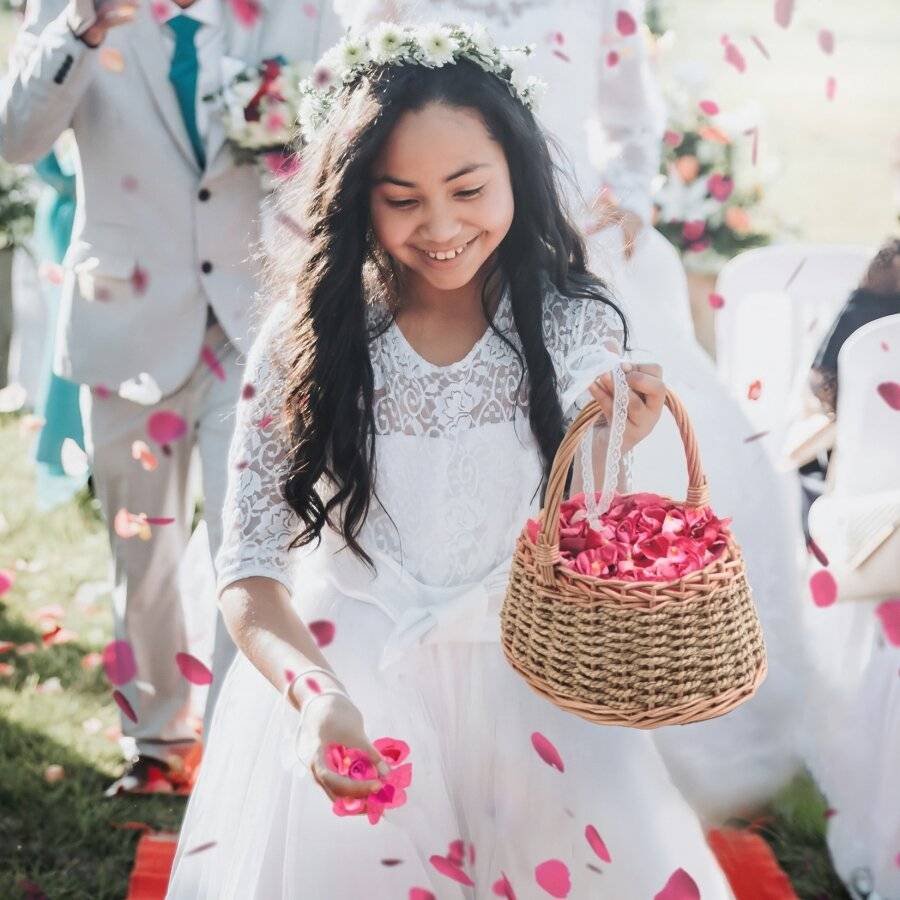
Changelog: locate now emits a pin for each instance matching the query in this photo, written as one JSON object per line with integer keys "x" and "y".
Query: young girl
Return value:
{"x": 400, "y": 414}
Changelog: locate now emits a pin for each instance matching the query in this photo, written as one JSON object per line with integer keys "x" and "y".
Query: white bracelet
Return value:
{"x": 325, "y": 693}
{"x": 286, "y": 693}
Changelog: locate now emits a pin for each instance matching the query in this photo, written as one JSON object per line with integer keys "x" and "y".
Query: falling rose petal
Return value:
{"x": 292, "y": 225}
{"x": 889, "y": 391}
{"x": 112, "y": 59}
{"x": 502, "y": 888}
{"x": 733, "y": 55}
{"x": 709, "y": 107}
{"x": 823, "y": 588}
{"x": 159, "y": 520}
{"x": 680, "y": 886}
{"x": 754, "y": 391}
{"x": 160, "y": 10}
{"x": 166, "y": 427}
{"x": 817, "y": 552}
{"x": 418, "y": 893}
{"x": 612, "y": 58}
{"x": 754, "y": 152}
{"x": 245, "y": 11}
{"x": 200, "y": 848}
{"x": 323, "y": 631}
{"x": 391, "y": 862}
{"x": 456, "y": 852}
{"x": 547, "y": 752}
{"x": 192, "y": 669}
{"x": 124, "y": 705}
{"x": 448, "y": 869}
{"x": 147, "y": 458}
{"x": 313, "y": 685}
{"x": 784, "y": 10}
{"x": 553, "y": 877}
{"x": 830, "y": 813}
{"x": 310, "y": 11}
{"x": 596, "y": 843}
{"x": 212, "y": 362}
{"x": 101, "y": 391}
{"x": 760, "y": 46}
{"x": 885, "y": 346}
{"x": 830, "y": 87}
{"x": 265, "y": 422}
{"x": 7, "y": 579}
{"x": 129, "y": 183}
{"x": 560, "y": 55}
{"x": 248, "y": 392}
{"x": 625, "y": 23}
{"x": 889, "y": 613}
{"x": 119, "y": 663}
{"x": 826, "y": 40}
{"x": 716, "y": 301}
{"x": 139, "y": 280}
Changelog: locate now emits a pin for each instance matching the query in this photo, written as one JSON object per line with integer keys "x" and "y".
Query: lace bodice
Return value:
{"x": 457, "y": 466}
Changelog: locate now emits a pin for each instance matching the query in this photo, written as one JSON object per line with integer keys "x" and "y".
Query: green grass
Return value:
{"x": 63, "y": 837}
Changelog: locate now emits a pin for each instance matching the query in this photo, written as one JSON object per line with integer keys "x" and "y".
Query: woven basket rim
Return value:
{"x": 732, "y": 551}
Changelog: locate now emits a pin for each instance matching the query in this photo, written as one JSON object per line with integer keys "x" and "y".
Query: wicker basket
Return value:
{"x": 641, "y": 654}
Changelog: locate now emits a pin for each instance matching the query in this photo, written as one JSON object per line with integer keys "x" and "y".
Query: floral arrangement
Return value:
{"x": 261, "y": 106}
{"x": 701, "y": 205}
{"x": 642, "y": 537}
{"x": 355, "y": 764}
{"x": 432, "y": 46}
{"x": 16, "y": 206}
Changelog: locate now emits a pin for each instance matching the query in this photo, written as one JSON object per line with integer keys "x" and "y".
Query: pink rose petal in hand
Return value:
{"x": 553, "y": 876}
{"x": 596, "y": 843}
{"x": 823, "y": 588}
{"x": 118, "y": 662}
{"x": 192, "y": 669}
{"x": 547, "y": 752}
{"x": 889, "y": 391}
{"x": 679, "y": 887}
{"x": 889, "y": 613}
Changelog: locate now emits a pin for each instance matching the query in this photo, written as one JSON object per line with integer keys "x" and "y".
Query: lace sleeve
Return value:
{"x": 257, "y": 522}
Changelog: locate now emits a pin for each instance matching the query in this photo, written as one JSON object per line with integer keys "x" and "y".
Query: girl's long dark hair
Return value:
{"x": 334, "y": 270}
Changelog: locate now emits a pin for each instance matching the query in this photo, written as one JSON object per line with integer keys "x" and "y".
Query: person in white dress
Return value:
{"x": 402, "y": 405}
{"x": 605, "y": 111}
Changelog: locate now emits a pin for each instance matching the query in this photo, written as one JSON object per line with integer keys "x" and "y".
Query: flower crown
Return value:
{"x": 431, "y": 46}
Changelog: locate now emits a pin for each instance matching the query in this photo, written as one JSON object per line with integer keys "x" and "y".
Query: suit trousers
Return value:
{"x": 147, "y": 606}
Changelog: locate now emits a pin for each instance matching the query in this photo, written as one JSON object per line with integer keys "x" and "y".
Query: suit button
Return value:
{"x": 206, "y": 267}
{"x": 203, "y": 195}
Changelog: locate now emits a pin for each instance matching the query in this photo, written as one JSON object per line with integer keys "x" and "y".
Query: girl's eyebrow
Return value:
{"x": 465, "y": 170}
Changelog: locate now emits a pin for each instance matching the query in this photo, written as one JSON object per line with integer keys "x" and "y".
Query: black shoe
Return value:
{"x": 143, "y": 775}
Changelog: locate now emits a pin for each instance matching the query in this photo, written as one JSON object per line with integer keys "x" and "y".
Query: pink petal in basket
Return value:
{"x": 823, "y": 588}
{"x": 596, "y": 843}
{"x": 889, "y": 613}
{"x": 192, "y": 669}
{"x": 118, "y": 662}
{"x": 547, "y": 752}
{"x": 553, "y": 876}
{"x": 679, "y": 887}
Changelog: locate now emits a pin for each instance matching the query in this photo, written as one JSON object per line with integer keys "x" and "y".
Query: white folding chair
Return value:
{"x": 779, "y": 303}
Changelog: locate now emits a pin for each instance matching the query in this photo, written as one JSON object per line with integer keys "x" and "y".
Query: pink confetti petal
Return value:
{"x": 192, "y": 669}
{"x": 247, "y": 12}
{"x": 596, "y": 843}
{"x": 101, "y": 391}
{"x": 733, "y": 55}
{"x": 124, "y": 705}
{"x": 166, "y": 427}
{"x": 248, "y": 392}
{"x": 160, "y": 10}
{"x": 760, "y": 46}
{"x": 201, "y": 848}
{"x": 323, "y": 631}
{"x": 391, "y": 862}
{"x": 889, "y": 613}
{"x": 679, "y": 887}
{"x": 129, "y": 183}
{"x": 625, "y": 23}
{"x": 830, "y": 87}
{"x": 139, "y": 280}
{"x": 313, "y": 685}
{"x": 265, "y": 422}
{"x": 553, "y": 876}
{"x": 826, "y": 40}
{"x": 447, "y": 868}
{"x": 560, "y": 55}
{"x": 754, "y": 132}
{"x": 709, "y": 107}
{"x": 418, "y": 893}
{"x": 547, "y": 752}
{"x": 7, "y": 579}
{"x": 207, "y": 355}
{"x": 310, "y": 11}
{"x": 754, "y": 390}
{"x": 159, "y": 520}
{"x": 118, "y": 662}
{"x": 889, "y": 391}
{"x": 502, "y": 888}
{"x": 817, "y": 552}
{"x": 784, "y": 10}
{"x": 716, "y": 301}
{"x": 823, "y": 588}
{"x": 885, "y": 346}
{"x": 612, "y": 58}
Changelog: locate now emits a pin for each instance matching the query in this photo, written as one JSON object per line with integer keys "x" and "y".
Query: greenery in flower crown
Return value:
{"x": 16, "y": 206}
{"x": 431, "y": 46}
{"x": 701, "y": 206}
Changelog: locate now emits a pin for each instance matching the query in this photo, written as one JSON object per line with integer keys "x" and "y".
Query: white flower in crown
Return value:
{"x": 516, "y": 59}
{"x": 534, "y": 91}
{"x": 437, "y": 45}
{"x": 352, "y": 54}
{"x": 386, "y": 42}
{"x": 480, "y": 39}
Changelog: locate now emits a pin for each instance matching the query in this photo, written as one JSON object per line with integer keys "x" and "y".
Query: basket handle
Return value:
{"x": 547, "y": 548}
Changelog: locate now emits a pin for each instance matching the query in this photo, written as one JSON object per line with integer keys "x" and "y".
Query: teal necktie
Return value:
{"x": 183, "y": 75}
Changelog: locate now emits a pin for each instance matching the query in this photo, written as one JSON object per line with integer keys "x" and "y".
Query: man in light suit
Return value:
{"x": 158, "y": 290}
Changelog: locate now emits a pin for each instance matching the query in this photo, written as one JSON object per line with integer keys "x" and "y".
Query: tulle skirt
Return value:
{"x": 258, "y": 826}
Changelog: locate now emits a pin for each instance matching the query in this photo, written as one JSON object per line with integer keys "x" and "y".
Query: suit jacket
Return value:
{"x": 155, "y": 240}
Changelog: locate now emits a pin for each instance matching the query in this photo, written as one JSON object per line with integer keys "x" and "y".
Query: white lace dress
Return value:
{"x": 457, "y": 475}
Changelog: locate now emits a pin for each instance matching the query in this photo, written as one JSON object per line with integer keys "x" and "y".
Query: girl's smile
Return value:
{"x": 445, "y": 258}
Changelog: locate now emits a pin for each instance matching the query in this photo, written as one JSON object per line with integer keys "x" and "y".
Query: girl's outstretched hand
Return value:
{"x": 646, "y": 397}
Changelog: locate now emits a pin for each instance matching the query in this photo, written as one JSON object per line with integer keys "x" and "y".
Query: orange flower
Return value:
{"x": 687, "y": 168}
{"x": 737, "y": 219}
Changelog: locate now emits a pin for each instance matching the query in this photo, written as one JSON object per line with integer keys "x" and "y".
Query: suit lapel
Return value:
{"x": 151, "y": 53}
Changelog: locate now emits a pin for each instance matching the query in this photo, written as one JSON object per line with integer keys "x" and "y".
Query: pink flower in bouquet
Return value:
{"x": 693, "y": 231}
